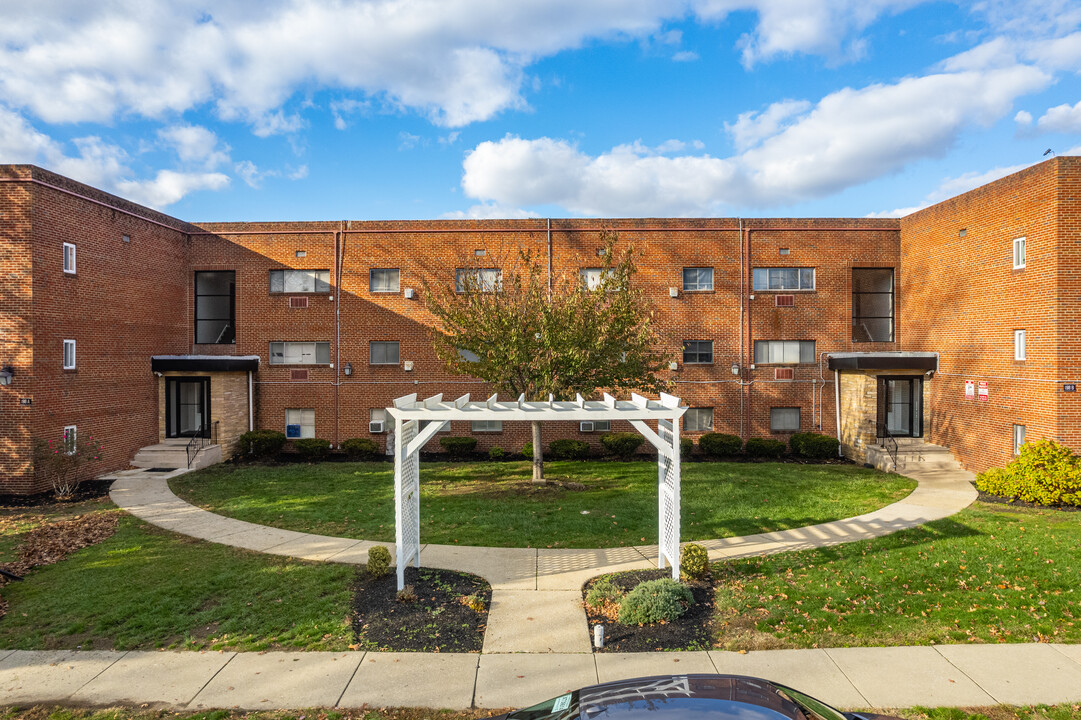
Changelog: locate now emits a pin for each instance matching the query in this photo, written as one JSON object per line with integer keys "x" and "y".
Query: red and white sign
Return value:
{"x": 970, "y": 390}
{"x": 982, "y": 390}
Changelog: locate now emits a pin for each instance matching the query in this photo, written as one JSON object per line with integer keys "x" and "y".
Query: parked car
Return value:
{"x": 676, "y": 697}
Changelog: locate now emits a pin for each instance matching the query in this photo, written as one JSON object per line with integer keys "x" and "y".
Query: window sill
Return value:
{"x": 698, "y": 292}
{"x": 397, "y": 364}
{"x": 385, "y": 292}
{"x": 787, "y": 292}
{"x": 699, "y": 364}
{"x": 303, "y": 365}
{"x": 300, "y": 292}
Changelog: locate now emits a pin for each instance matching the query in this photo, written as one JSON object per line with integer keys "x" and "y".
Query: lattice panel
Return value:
{"x": 407, "y": 496}
{"x": 668, "y": 498}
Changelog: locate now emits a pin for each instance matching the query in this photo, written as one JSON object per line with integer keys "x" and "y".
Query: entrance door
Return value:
{"x": 900, "y": 406}
{"x": 187, "y": 407}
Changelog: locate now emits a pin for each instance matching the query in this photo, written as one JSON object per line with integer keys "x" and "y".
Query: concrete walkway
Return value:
{"x": 536, "y": 592}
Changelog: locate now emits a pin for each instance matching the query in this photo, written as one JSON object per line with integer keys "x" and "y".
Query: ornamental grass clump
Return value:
{"x": 693, "y": 561}
{"x": 1045, "y": 473}
{"x": 378, "y": 562}
{"x": 655, "y": 601}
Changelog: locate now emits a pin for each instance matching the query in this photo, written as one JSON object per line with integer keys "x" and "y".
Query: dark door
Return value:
{"x": 900, "y": 406}
{"x": 187, "y": 407}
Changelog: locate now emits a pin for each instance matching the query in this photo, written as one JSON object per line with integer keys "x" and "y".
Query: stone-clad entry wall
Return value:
{"x": 859, "y": 409}
{"x": 228, "y": 405}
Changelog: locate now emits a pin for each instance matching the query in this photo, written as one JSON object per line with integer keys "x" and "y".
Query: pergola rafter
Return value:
{"x": 409, "y": 412}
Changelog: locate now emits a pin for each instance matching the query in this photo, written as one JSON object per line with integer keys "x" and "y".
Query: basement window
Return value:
{"x": 698, "y": 420}
{"x": 872, "y": 304}
{"x": 487, "y": 426}
{"x": 784, "y": 419}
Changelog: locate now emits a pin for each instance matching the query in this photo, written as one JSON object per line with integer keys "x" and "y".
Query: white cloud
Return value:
{"x": 847, "y": 138}
{"x": 1023, "y": 118}
{"x": 489, "y": 211}
{"x": 253, "y": 177}
{"x": 753, "y": 127}
{"x": 685, "y": 56}
{"x": 170, "y": 186}
{"x": 196, "y": 145}
{"x": 1062, "y": 118}
{"x": 951, "y": 187}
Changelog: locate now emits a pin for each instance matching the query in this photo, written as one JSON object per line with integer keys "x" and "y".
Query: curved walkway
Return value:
{"x": 536, "y": 592}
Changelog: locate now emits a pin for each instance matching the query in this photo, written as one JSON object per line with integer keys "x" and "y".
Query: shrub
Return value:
{"x": 473, "y": 602}
{"x": 765, "y": 448}
{"x": 312, "y": 448}
{"x": 378, "y": 561}
{"x": 568, "y": 449}
{"x": 62, "y": 461}
{"x": 814, "y": 445}
{"x": 360, "y": 448}
{"x": 527, "y": 450}
{"x": 261, "y": 444}
{"x": 602, "y": 593}
{"x": 496, "y": 453}
{"x": 686, "y": 446}
{"x": 719, "y": 444}
{"x": 458, "y": 447}
{"x": 622, "y": 444}
{"x": 1045, "y": 473}
{"x": 654, "y": 601}
{"x": 693, "y": 561}
{"x": 406, "y": 595}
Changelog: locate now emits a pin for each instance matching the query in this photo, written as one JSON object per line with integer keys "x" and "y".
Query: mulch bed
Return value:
{"x": 87, "y": 490}
{"x": 437, "y": 621}
{"x": 999, "y": 500}
{"x": 691, "y": 631}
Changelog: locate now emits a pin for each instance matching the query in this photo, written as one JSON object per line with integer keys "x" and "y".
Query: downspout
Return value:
{"x": 741, "y": 300}
{"x": 837, "y": 398}
{"x": 251, "y": 405}
{"x": 549, "y": 260}
{"x": 339, "y": 252}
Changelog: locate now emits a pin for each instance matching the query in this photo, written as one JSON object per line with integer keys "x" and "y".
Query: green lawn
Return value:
{"x": 145, "y": 588}
{"x": 991, "y": 573}
{"x": 494, "y": 504}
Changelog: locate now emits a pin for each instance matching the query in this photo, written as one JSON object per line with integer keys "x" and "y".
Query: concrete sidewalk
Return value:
{"x": 849, "y": 678}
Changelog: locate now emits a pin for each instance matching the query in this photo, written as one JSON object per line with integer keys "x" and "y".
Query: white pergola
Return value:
{"x": 409, "y": 412}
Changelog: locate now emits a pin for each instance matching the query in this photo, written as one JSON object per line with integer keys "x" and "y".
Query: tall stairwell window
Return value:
{"x": 215, "y": 307}
{"x": 872, "y": 304}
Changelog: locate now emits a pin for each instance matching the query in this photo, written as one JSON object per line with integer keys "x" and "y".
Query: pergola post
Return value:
{"x": 406, "y": 497}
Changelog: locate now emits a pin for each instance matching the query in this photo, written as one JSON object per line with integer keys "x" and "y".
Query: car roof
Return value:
{"x": 706, "y": 697}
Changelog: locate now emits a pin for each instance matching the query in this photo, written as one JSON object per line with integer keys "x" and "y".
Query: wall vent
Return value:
{"x": 784, "y": 374}
{"x": 298, "y": 374}
{"x": 298, "y": 302}
{"x": 785, "y": 300}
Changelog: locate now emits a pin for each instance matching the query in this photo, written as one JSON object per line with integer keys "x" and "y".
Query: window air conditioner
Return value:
{"x": 375, "y": 427}
{"x": 673, "y": 292}
{"x": 586, "y": 426}
{"x": 409, "y": 293}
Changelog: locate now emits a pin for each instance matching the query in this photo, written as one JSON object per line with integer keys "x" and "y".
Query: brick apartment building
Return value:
{"x": 957, "y": 323}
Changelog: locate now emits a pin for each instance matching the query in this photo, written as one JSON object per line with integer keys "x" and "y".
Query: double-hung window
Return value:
{"x": 381, "y": 352}
{"x": 1018, "y": 344}
{"x": 300, "y": 353}
{"x": 697, "y": 352}
{"x": 1018, "y": 253}
{"x": 698, "y": 420}
{"x": 300, "y": 423}
{"x": 482, "y": 426}
{"x": 69, "y": 258}
{"x": 784, "y": 352}
{"x": 788, "y": 278}
{"x": 697, "y": 279}
{"x": 69, "y": 354}
{"x": 299, "y": 281}
{"x": 478, "y": 279}
{"x": 384, "y": 280}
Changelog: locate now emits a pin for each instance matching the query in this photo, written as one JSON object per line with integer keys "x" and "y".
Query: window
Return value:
{"x": 468, "y": 355}
{"x": 487, "y": 426}
{"x": 215, "y": 307}
{"x": 69, "y": 354}
{"x": 592, "y": 277}
{"x": 783, "y": 278}
{"x": 1018, "y": 438}
{"x": 300, "y": 423}
{"x": 784, "y": 352}
{"x": 697, "y": 352}
{"x": 383, "y": 353}
{"x": 482, "y": 280}
{"x": 872, "y": 304}
{"x": 299, "y": 353}
{"x": 69, "y": 258}
{"x": 384, "y": 280}
{"x": 697, "y": 279}
{"x": 784, "y": 419}
{"x": 1018, "y": 253}
{"x": 698, "y": 420}
{"x": 299, "y": 281}
{"x": 71, "y": 435}
{"x": 596, "y": 425}
{"x": 1018, "y": 344}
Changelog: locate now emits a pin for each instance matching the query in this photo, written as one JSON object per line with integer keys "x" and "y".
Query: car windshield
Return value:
{"x": 564, "y": 707}
{"x": 814, "y": 709}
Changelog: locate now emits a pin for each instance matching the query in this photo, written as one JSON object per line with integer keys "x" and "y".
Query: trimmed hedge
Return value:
{"x": 622, "y": 444}
{"x": 765, "y": 448}
{"x": 686, "y": 446}
{"x": 1045, "y": 473}
{"x": 261, "y": 444}
{"x": 360, "y": 448}
{"x": 568, "y": 449}
{"x": 312, "y": 448}
{"x": 527, "y": 450}
{"x": 654, "y": 601}
{"x": 458, "y": 447}
{"x": 496, "y": 453}
{"x": 814, "y": 445}
{"x": 693, "y": 561}
{"x": 378, "y": 562}
{"x": 719, "y": 445}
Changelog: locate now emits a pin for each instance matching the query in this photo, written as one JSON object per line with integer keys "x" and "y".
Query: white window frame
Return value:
{"x": 371, "y": 347}
{"x": 71, "y": 439}
{"x": 697, "y": 285}
{"x": 758, "y": 286}
{"x": 487, "y": 426}
{"x": 69, "y": 269}
{"x": 1019, "y": 253}
{"x": 1019, "y": 342}
{"x": 307, "y": 430}
{"x": 397, "y": 280}
{"x": 598, "y": 426}
{"x": 592, "y": 277}
{"x": 784, "y": 348}
{"x": 697, "y": 425}
{"x": 69, "y": 344}
{"x": 1018, "y": 438}
{"x": 773, "y": 423}
{"x": 487, "y": 279}
{"x": 298, "y": 353}
{"x": 287, "y": 275}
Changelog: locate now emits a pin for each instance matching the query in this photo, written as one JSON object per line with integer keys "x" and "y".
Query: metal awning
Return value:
{"x": 204, "y": 363}
{"x": 918, "y": 361}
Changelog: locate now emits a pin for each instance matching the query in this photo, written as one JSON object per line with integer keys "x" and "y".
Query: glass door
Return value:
{"x": 187, "y": 407}
{"x": 900, "y": 406}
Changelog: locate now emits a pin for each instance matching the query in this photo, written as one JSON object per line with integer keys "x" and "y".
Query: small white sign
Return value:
{"x": 982, "y": 390}
{"x": 970, "y": 390}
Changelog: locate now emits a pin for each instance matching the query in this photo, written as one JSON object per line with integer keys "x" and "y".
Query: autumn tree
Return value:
{"x": 527, "y": 334}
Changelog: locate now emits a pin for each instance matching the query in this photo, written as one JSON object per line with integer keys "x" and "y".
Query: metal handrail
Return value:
{"x": 889, "y": 442}
{"x": 200, "y": 441}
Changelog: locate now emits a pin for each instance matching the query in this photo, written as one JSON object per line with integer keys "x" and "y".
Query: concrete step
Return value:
{"x": 175, "y": 455}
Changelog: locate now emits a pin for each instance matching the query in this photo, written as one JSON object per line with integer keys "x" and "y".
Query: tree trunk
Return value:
{"x": 538, "y": 455}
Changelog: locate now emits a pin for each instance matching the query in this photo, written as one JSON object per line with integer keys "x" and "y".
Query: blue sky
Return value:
{"x": 420, "y": 109}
